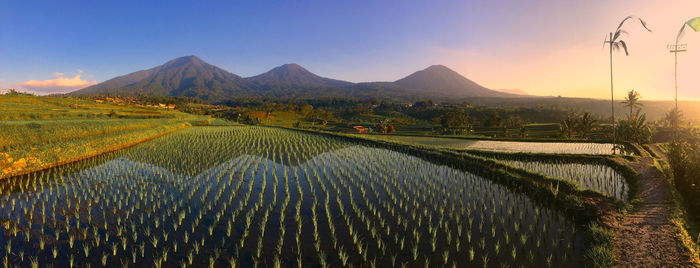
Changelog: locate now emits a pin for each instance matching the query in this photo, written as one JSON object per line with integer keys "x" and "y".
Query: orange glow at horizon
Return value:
{"x": 580, "y": 67}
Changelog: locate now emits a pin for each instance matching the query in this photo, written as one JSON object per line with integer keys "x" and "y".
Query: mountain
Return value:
{"x": 192, "y": 77}
{"x": 512, "y": 91}
{"x": 438, "y": 80}
{"x": 185, "y": 76}
{"x": 293, "y": 76}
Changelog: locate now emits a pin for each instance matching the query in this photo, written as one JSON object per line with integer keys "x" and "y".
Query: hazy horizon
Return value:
{"x": 545, "y": 48}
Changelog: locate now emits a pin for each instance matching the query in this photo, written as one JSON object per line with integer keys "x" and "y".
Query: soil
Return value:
{"x": 646, "y": 237}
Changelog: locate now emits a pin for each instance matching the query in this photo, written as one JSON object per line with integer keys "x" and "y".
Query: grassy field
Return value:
{"x": 40, "y": 132}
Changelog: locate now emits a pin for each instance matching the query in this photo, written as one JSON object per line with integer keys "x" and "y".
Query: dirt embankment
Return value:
{"x": 646, "y": 237}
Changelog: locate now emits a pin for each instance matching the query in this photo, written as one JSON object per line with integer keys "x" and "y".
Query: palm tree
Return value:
{"x": 615, "y": 43}
{"x": 577, "y": 126}
{"x": 567, "y": 127}
{"x": 635, "y": 128}
{"x": 632, "y": 100}
{"x": 585, "y": 124}
{"x": 673, "y": 118}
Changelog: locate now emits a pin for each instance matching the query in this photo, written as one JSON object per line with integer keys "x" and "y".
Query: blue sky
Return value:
{"x": 537, "y": 46}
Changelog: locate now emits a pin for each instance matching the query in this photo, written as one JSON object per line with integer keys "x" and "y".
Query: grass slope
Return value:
{"x": 41, "y": 132}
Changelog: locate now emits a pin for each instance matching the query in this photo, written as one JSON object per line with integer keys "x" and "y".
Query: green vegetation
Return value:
{"x": 562, "y": 194}
{"x": 578, "y": 126}
{"x": 302, "y": 199}
{"x": 635, "y": 128}
{"x": 550, "y": 147}
{"x": 599, "y": 178}
{"x": 374, "y": 194}
{"x": 684, "y": 155}
{"x": 602, "y": 251}
{"x": 615, "y": 43}
{"x": 40, "y": 132}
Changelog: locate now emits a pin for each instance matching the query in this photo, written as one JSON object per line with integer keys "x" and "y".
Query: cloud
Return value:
{"x": 57, "y": 84}
{"x": 58, "y": 74}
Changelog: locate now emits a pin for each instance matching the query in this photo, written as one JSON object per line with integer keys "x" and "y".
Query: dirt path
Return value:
{"x": 646, "y": 237}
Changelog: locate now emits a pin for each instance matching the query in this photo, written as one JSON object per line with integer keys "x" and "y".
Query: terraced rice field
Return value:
{"x": 504, "y": 146}
{"x": 260, "y": 197}
{"x": 595, "y": 177}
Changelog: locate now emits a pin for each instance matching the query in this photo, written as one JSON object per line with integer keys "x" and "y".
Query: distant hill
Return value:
{"x": 192, "y": 77}
{"x": 185, "y": 76}
{"x": 512, "y": 91}
{"x": 292, "y": 76}
{"x": 443, "y": 81}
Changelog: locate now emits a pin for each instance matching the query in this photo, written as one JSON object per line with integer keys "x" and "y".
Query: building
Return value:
{"x": 357, "y": 129}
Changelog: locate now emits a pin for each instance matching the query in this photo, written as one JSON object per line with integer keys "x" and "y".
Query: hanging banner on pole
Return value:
{"x": 694, "y": 24}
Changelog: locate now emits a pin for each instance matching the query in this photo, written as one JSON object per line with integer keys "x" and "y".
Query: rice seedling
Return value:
{"x": 309, "y": 199}
{"x": 596, "y": 177}
{"x": 104, "y": 258}
{"x": 508, "y": 146}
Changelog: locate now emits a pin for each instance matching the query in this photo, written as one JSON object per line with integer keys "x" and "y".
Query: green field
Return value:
{"x": 40, "y": 132}
{"x": 125, "y": 184}
{"x": 502, "y": 146}
{"x": 282, "y": 197}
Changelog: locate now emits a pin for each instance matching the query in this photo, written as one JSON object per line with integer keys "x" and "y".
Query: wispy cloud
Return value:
{"x": 59, "y": 84}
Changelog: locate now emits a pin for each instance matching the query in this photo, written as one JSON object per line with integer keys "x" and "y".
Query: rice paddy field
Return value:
{"x": 40, "y": 132}
{"x": 504, "y": 146}
{"x": 267, "y": 197}
{"x": 597, "y": 177}
{"x": 587, "y": 175}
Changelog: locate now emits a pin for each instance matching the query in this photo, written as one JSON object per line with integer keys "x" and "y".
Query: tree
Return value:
{"x": 632, "y": 100}
{"x": 324, "y": 114}
{"x": 684, "y": 160}
{"x": 514, "y": 122}
{"x": 386, "y": 127}
{"x": 454, "y": 119}
{"x": 421, "y": 105}
{"x": 585, "y": 124}
{"x": 635, "y": 129}
{"x": 568, "y": 127}
{"x": 615, "y": 43}
{"x": 524, "y": 133}
{"x": 577, "y": 126}
{"x": 14, "y": 92}
{"x": 674, "y": 118}
{"x": 456, "y": 122}
{"x": 493, "y": 120}
{"x": 306, "y": 109}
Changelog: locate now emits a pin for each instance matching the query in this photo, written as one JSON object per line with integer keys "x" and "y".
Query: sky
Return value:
{"x": 543, "y": 47}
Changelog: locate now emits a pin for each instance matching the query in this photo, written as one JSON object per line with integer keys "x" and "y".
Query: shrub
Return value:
{"x": 684, "y": 158}
{"x": 634, "y": 129}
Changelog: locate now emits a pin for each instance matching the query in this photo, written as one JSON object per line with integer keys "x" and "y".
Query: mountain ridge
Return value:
{"x": 441, "y": 80}
{"x": 191, "y": 76}
{"x": 293, "y": 75}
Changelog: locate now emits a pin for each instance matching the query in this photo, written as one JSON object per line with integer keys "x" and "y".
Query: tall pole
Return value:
{"x": 675, "y": 78}
{"x": 675, "y": 49}
{"x": 612, "y": 94}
